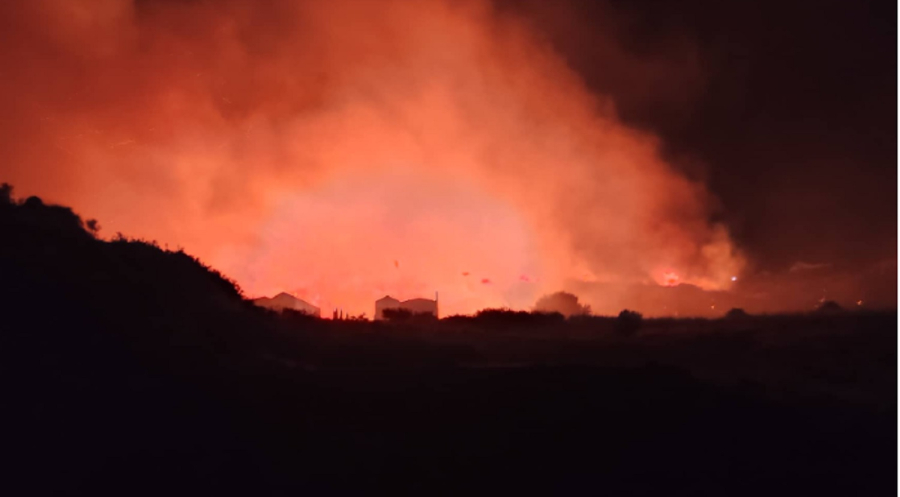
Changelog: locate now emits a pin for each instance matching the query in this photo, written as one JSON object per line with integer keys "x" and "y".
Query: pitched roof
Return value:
{"x": 286, "y": 300}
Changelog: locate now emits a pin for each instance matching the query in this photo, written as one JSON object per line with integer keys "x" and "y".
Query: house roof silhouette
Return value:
{"x": 416, "y": 306}
{"x": 284, "y": 301}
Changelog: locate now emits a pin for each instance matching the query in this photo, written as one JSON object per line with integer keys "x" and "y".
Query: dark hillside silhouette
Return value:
{"x": 106, "y": 341}
{"x": 133, "y": 370}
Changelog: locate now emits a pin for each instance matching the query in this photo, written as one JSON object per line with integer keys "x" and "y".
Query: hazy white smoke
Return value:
{"x": 345, "y": 149}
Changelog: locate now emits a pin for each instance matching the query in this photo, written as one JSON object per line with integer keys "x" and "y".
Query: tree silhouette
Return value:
{"x": 6, "y": 192}
{"x": 93, "y": 226}
{"x": 562, "y": 302}
{"x": 736, "y": 313}
{"x": 629, "y": 322}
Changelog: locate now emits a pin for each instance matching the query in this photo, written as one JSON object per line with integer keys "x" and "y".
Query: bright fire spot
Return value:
{"x": 670, "y": 279}
{"x": 859, "y": 302}
{"x": 734, "y": 278}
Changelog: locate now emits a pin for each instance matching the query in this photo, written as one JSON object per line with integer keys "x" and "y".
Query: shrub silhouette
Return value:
{"x": 298, "y": 315}
{"x": 397, "y": 315}
{"x": 562, "y": 302}
{"x": 736, "y": 313}
{"x": 829, "y": 307}
{"x": 628, "y": 322}
{"x": 506, "y": 318}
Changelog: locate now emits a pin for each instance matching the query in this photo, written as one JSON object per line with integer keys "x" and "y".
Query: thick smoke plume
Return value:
{"x": 345, "y": 150}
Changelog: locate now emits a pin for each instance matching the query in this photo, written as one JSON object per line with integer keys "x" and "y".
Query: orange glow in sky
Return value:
{"x": 669, "y": 278}
{"x": 345, "y": 150}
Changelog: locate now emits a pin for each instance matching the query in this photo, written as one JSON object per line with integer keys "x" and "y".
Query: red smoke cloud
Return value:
{"x": 312, "y": 146}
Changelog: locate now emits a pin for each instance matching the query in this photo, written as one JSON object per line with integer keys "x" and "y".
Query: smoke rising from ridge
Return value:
{"x": 308, "y": 146}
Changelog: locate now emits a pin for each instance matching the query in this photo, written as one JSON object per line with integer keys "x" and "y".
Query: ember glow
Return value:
{"x": 346, "y": 150}
{"x": 669, "y": 278}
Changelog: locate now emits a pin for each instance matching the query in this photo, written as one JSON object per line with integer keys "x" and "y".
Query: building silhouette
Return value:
{"x": 414, "y": 306}
{"x": 284, "y": 301}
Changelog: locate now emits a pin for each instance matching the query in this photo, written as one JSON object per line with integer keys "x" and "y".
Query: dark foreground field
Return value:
{"x": 129, "y": 370}
{"x": 186, "y": 423}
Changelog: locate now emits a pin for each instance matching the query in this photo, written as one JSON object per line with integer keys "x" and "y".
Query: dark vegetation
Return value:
{"x": 132, "y": 370}
{"x": 407, "y": 316}
{"x": 629, "y": 322}
{"x": 564, "y": 303}
{"x": 736, "y": 313}
{"x": 829, "y": 306}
